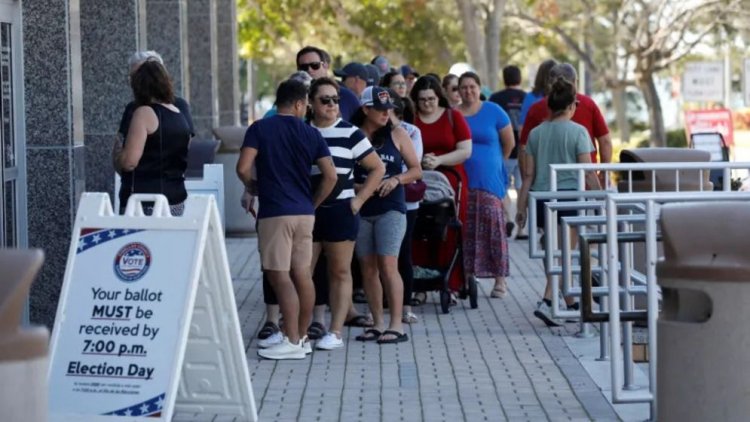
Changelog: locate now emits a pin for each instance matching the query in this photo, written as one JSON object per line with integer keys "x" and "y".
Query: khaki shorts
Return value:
{"x": 285, "y": 242}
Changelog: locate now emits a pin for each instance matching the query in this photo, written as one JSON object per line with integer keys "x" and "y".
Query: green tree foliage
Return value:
{"x": 419, "y": 32}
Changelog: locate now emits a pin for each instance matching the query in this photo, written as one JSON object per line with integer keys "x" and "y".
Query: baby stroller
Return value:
{"x": 437, "y": 248}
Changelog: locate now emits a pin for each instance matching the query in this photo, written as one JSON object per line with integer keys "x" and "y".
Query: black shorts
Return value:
{"x": 560, "y": 213}
{"x": 335, "y": 223}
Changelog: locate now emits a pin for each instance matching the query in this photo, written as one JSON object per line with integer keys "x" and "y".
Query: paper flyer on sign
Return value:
{"x": 128, "y": 293}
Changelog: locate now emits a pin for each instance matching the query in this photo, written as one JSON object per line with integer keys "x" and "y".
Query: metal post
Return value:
{"x": 627, "y": 327}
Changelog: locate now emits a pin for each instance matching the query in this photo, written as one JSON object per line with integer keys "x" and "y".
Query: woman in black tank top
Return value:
{"x": 154, "y": 157}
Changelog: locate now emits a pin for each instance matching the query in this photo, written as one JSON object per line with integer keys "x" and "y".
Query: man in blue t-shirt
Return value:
{"x": 511, "y": 100}
{"x": 316, "y": 62}
{"x": 282, "y": 148}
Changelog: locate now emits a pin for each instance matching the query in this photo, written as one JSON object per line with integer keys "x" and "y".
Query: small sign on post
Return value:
{"x": 147, "y": 326}
{"x": 703, "y": 82}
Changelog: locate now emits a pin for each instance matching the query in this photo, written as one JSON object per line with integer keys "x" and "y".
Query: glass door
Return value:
{"x": 12, "y": 145}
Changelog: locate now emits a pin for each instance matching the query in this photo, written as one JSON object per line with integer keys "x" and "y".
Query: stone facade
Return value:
{"x": 76, "y": 86}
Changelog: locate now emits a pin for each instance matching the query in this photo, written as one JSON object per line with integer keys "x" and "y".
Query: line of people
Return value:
{"x": 334, "y": 164}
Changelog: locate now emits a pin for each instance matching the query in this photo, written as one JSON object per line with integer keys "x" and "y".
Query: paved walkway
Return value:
{"x": 494, "y": 363}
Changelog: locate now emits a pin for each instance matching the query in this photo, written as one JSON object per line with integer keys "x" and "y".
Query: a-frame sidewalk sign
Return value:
{"x": 147, "y": 326}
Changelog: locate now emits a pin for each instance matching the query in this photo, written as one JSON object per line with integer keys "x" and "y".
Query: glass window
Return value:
{"x": 10, "y": 214}
{"x": 6, "y": 97}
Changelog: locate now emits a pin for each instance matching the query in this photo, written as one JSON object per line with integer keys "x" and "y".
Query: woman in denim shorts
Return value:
{"x": 383, "y": 222}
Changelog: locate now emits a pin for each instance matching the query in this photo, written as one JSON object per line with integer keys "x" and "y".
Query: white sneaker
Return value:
{"x": 329, "y": 342}
{"x": 544, "y": 312}
{"x": 283, "y": 350}
{"x": 306, "y": 345}
{"x": 272, "y": 340}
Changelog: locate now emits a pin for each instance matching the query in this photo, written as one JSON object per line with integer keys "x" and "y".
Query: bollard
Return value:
{"x": 23, "y": 351}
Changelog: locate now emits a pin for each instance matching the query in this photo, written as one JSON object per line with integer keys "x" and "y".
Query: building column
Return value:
{"x": 54, "y": 140}
{"x": 228, "y": 63}
{"x": 165, "y": 25}
{"x": 202, "y": 76}
{"x": 106, "y": 91}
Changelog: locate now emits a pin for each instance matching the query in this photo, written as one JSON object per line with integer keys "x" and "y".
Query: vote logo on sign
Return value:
{"x": 132, "y": 262}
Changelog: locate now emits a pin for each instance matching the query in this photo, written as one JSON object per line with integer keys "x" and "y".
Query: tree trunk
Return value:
{"x": 620, "y": 104}
{"x": 647, "y": 85}
{"x": 473, "y": 35}
{"x": 492, "y": 50}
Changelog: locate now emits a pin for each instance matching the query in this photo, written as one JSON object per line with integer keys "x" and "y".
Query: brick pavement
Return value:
{"x": 494, "y": 363}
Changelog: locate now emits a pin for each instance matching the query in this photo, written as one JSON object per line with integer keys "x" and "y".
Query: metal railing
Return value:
{"x": 610, "y": 217}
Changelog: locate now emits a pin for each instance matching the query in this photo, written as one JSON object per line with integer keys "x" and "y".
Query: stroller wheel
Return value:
{"x": 473, "y": 293}
{"x": 445, "y": 301}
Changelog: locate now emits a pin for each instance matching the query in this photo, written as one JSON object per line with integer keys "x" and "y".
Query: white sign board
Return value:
{"x": 147, "y": 326}
{"x": 703, "y": 82}
{"x": 746, "y": 82}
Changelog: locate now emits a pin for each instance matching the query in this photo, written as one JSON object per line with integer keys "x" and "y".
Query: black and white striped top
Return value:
{"x": 348, "y": 145}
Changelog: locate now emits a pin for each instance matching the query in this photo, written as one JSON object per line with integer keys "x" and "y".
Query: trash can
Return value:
{"x": 703, "y": 332}
{"x": 666, "y": 180}
{"x": 23, "y": 350}
{"x": 238, "y": 222}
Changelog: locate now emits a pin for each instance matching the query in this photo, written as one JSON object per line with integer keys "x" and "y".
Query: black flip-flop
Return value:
{"x": 268, "y": 329}
{"x": 399, "y": 337}
{"x": 358, "y": 321}
{"x": 370, "y": 334}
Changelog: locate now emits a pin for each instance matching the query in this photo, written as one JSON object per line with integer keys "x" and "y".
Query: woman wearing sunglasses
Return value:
{"x": 383, "y": 221}
{"x": 337, "y": 218}
{"x": 486, "y": 244}
{"x": 450, "y": 86}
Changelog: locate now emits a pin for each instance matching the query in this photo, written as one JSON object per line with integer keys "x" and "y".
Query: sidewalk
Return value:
{"x": 494, "y": 363}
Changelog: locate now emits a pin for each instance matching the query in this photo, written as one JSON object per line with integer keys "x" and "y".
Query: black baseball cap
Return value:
{"x": 353, "y": 69}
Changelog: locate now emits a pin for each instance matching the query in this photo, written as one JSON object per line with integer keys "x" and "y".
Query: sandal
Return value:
{"x": 359, "y": 296}
{"x": 370, "y": 334}
{"x": 316, "y": 331}
{"x": 409, "y": 318}
{"x": 268, "y": 329}
{"x": 359, "y": 321}
{"x": 498, "y": 293}
{"x": 397, "y": 337}
{"x": 418, "y": 299}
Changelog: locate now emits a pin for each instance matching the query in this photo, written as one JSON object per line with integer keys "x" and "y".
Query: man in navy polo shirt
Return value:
{"x": 283, "y": 148}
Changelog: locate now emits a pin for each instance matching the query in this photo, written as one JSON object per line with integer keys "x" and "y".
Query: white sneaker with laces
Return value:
{"x": 544, "y": 312}
{"x": 306, "y": 345}
{"x": 329, "y": 342}
{"x": 283, "y": 350}
{"x": 272, "y": 340}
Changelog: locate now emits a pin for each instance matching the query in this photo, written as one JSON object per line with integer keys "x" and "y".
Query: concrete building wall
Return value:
{"x": 76, "y": 87}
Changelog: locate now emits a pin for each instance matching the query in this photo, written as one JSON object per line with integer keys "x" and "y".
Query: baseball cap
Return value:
{"x": 407, "y": 70}
{"x": 376, "y": 97}
{"x": 353, "y": 69}
{"x": 373, "y": 76}
{"x": 382, "y": 64}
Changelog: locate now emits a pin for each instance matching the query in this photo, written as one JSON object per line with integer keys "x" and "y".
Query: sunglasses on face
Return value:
{"x": 398, "y": 83}
{"x": 427, "y": 99}
{"x": 328, "y": 100}
{"x": 313, "y": 66}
